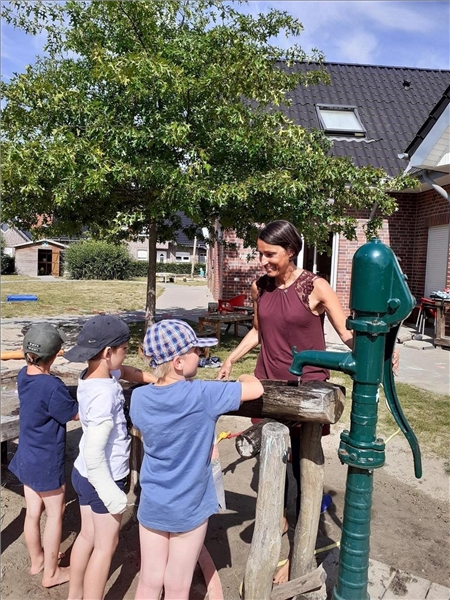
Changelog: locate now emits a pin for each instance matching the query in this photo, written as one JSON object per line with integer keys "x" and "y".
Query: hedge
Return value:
{"x": 139, "y": 268}
{"x": 98, "y": 260}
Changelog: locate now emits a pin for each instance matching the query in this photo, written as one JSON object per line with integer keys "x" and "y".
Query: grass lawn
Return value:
{"x": 68, "y": 296}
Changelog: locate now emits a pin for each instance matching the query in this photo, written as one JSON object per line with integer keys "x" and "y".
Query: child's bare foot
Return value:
{"x": 61, "y": 575}
{"x": 39, "y": 566}
{"x": 282, "y": 572}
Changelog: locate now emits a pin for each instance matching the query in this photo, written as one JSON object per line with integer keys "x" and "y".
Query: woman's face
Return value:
{"x": 274, "y": 259}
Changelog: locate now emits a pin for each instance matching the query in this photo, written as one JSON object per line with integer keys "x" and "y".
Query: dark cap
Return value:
{"x": 98, "y": 333}
{"x": 44, "y": 340}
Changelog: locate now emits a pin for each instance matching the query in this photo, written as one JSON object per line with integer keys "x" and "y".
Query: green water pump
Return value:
{"x": 379, "y": 301}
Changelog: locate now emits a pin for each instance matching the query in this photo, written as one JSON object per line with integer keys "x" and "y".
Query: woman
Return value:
{"x": 289, "y": 309}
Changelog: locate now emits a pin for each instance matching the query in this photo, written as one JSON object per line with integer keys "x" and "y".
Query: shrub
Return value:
{"x": 139, "y": 268}
{"x": 98, "y": 260}
{"x": 8, "y": 263}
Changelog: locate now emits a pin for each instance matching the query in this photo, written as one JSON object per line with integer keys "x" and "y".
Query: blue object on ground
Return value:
{"x": 327, "y": 501}
{"x": 21, "y": 298}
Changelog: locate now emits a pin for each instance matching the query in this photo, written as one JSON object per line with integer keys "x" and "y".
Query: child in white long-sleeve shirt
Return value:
{"x": 101, "y": 468}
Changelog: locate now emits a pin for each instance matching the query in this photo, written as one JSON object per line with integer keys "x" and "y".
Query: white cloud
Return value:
{"x": 358, "y": 48}
{"x": 402, "y": 16}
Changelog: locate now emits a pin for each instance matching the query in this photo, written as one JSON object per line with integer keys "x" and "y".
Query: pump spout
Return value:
{"x": 337, "y": 361}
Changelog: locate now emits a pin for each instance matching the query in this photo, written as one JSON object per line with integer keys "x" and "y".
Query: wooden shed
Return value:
{"x": 44, "y": 257}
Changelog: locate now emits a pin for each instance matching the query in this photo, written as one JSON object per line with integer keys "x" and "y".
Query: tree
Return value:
{"x": 141, "y": 109}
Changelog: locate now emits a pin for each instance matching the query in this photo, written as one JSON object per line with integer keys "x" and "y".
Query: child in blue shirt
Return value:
{"x": 177, "y": 417}
{"x": 39, "y": 463}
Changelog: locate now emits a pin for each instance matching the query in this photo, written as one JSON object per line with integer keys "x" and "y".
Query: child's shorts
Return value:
{"x": 87, "y": 494}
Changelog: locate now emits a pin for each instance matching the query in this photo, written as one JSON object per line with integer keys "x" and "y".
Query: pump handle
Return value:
{"x": 393, "y": 401}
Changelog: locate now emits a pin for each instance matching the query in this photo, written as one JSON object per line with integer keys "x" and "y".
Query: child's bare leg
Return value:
{"x": 81, "y": 553}
{"x": 106, "y": 537}
{"x": 184, "y": 550}
{"x": 154, "y": 555}
{"x": 32, "y": 530}
{"x": 54, "y": 502}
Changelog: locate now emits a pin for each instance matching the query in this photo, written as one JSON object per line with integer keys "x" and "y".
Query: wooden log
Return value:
{"x": 266, "y": 542}
{"x": 18, "y": 354}
{"x": 311, "y": 485}
{"x": 300, "y": 585}
{"x": 248, "y": 443}
{"x": 10, "y": 415}
{"x": 9, "y": 427}
{"x": 317, "y": 401}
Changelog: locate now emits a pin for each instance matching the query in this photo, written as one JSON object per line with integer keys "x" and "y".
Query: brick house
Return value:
{"x": 379, "y": 116}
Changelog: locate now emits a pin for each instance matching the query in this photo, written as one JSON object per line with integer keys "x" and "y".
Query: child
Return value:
{"x": 101, "y": 468}
{"x": 39, "y": 463}
{"x": 177, "y": 418}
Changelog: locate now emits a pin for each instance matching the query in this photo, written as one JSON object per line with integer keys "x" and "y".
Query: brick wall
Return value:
{"x": 406, "y": 232}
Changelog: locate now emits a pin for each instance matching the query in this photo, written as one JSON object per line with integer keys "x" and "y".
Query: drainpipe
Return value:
{"x": 435, "y": 186}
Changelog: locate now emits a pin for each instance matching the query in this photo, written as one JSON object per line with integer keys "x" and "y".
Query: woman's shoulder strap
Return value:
{"x": 304, "y": 285}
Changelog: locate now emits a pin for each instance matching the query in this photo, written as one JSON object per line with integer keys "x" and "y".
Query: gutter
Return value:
{"x": 435, "y": 186}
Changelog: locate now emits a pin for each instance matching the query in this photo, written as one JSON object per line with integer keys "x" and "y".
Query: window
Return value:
{"x": 142, "y": 254}
{"x": 340, "y": 120}
{"x": 182, "y": 257}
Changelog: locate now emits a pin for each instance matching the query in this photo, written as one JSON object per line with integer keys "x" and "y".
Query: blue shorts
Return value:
{"x": 87, "y": 494}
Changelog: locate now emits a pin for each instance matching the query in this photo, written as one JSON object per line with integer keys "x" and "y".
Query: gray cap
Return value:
{"x": 43, "y": 339}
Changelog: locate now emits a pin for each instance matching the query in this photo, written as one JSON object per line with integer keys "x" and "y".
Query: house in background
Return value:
{"x": 180, "y": 250}
{"x": 12, "y": 237}
{"x": 379, "y": 116}
{"x": 46, "y": 257}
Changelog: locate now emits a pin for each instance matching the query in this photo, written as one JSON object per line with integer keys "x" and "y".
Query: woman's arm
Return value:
{"x": 324, "y": 298}
{"x": 250, "y": 341}
{"x": 136, "y": 375}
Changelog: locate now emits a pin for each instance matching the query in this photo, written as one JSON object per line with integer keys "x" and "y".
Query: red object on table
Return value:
{"x": 231, "y": 304}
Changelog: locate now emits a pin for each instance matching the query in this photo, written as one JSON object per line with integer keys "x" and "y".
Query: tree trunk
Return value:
{"x": 150, "y": 307}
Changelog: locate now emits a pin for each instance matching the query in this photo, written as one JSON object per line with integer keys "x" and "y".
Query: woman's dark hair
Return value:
{"x": 284, "y": 234}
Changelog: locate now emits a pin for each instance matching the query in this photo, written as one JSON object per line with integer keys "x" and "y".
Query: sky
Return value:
{"x": 400, "y": 34}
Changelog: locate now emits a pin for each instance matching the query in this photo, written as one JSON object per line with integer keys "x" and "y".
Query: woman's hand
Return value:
{"x": 225, "y": 369}
{"x": 395, "y": 361}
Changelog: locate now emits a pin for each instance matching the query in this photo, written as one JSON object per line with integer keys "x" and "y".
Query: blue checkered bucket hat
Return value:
{"x": 170, "y": 338}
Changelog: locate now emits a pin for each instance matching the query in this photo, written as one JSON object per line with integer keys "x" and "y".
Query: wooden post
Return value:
{"x": 266, "y": 542}
{"x": 311, "y": 485}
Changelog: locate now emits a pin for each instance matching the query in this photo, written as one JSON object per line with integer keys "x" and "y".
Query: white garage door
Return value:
{"x": 437, "y": 259}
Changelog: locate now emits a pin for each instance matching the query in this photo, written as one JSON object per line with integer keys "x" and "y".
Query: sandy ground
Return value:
{"x": 410, "y": 521}
{"x": 410, "y": 518}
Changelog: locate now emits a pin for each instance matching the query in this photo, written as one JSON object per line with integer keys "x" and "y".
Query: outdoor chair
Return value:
{"x": 427, "y": 310}
{"x": 235, "y": 304}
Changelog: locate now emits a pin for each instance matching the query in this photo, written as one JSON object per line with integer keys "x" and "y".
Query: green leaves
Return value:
{"x": 142, "y": 109}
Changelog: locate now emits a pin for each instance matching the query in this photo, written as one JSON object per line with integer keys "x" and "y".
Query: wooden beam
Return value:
{"x": 316, "y": 401}
{"x": 300, "y": 585}
{"x": 266, "y": 541}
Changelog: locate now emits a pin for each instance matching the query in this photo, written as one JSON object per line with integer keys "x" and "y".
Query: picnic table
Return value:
{"x": 168, "y": 276}
{"x": 442, "y": 308}
{"x": 234, "y": 318}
